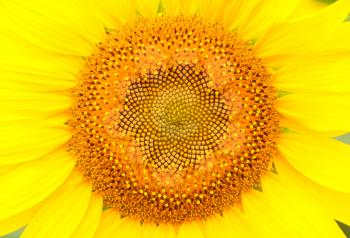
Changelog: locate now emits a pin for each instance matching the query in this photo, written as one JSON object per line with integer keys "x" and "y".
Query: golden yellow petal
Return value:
{"x": 315, "y": 75}
{"x": 163, "y": 230}
{"x": 323, "y": 160}
{"x": 191, "y": 229}
{"x": 334, "y": 202}
{"x": 26, "y": 68}
{"x": 320, "y": 111}
{"x": 28, "y": 184}
{"x": 91, "y": 219}
{"x": 109, "y": 222}
{"x": 228, "y": 224}
{"x": 61, "y": 213}
{"x": 61, "y": 27}
{"x": 147, "y": 8}
{"x": 307, "y": 7}
{"x": 253, "y": 18}
{"x": 302, "y": 36}
{"x": 17, "y": 221}
{"x": 258, "y": 22}
{"x": 175, "y": 7}
{"x": 285, "y": 207}
{"x": 25, "y": 140}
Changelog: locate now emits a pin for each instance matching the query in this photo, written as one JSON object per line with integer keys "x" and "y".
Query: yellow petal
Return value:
{"x": 62, "y": 212}
{"x": 334, "y": 202}
{"x": 112, "y": 225}
{"x": 16, "y": 104}
{"x": 295, "y": 125}
{"x": 323, "y": 160}
{"x": 340, "y": 39}
{"x": 307, "y": 7}
{"x": 147, "y": 8}
{"x": 17, "y": 221}
{"x": 109, "y": 222}
{"x": 30, "y": 69}
{"x": 284, "y": 207}
{"x": 101, "y": 10}
{"x": 29, "y": 183}
{"x": 27, "y": 78}
{"x": 148, "y": 230}
{"x": 304, "y": 35}
{"x": 252, "y": 18}
{"x": 266, "y": 217}
{"x": 265, "y": 15}
{"x": 110, "y": 12}
{"x": 31, "y": 139}
{"x": 191, "y": 229}
{"x": 89, "y": 223}
{"x": 315, "y": 75}
{"x": 214, "y": 10}
{"x": 235, "y": 217}
{"x": 130, "y": 228}
{"x": 161, "y": 231}
{"x": 175, "y": 7}
{"x": 319, "y": 111}
{"x": 229, "y": 224}
{"x": 61, "y": 27}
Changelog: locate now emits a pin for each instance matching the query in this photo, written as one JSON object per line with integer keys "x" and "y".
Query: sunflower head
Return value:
{"x": 173, "y": 119}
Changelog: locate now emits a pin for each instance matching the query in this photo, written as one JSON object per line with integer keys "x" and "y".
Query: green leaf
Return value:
{"x": 328, "y": 1}
{"x": 15, "y": 234}
{"x": 345, "y": 228}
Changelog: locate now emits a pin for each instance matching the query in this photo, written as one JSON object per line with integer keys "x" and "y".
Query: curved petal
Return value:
{"x": 340, "y": 40}
{"x": 110, "y": 12}
{"x": 191, "y": 229}
{"x": 112, "y": 225}
{"x": 230, "y": 224}
{"x": 130, "y": 228}
{"x": 27, "y": 184}
{"x": 30, "y": 139}
{"x": 315, "y": 75}
{"x": 175, "y": 7}
{"x": 109, "y": 222}
{"x": 258, "y": 22}
{"x": 148, "y": 230}
{"x": 17, "y": 105}
{"x": 252, "y": 18}
{"x": 61, "y": 27}
{"x": 162, "y": 231}
{"x": 319, "y": 111}
{"x": 213, "y": 10}
{"x": 17, "y": 221}
{"x": 334, "y": 202}
{"x": 147, "y": 8}
{"x": 307, "y": 7}
{"x": 30, "y": 69}
{"x": 89, "y": 223}
{"x": 287, "y": 208}
{"x": 323, "y": 160}
{"x": 62, "y": 212}
{"x": 304, "y": 35}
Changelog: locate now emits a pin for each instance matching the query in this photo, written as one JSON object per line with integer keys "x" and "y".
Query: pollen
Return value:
{"x": 173, "y": 119}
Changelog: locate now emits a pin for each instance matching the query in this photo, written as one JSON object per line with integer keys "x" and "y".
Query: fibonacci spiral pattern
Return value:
{"x": 173, "y": 119}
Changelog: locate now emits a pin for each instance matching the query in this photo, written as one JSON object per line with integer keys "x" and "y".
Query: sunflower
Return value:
{"x": 174, "y": 119}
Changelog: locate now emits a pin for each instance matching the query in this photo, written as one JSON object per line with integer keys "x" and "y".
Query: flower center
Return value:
{"x": 174, "y": 116}
{"x": 173, "y": 119}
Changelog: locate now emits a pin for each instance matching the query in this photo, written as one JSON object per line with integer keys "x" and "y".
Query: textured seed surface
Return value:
{"x": 173, "y": 119}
